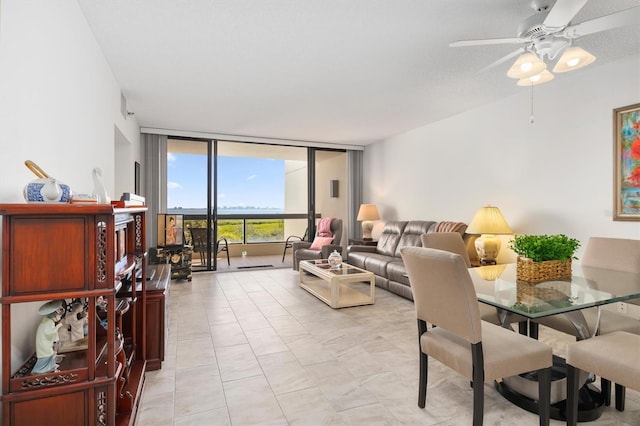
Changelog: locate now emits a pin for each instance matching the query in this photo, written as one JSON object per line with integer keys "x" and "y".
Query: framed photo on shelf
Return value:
{"x": 170, "y": 230}
{"x": 626, "y": 163}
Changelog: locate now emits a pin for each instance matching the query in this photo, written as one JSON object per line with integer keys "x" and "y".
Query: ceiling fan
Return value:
{"x": 548, "y": 33}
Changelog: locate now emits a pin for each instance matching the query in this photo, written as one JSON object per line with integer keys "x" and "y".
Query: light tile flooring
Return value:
{"x": 252, "y": 348}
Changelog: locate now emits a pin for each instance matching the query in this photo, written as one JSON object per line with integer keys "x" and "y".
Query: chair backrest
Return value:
{"x": 443, "y": 291}
{"x": 199, "y": 238}
{"x": 336, "y": 231}
{"x": 619, "y": 254}
{"x": 447, "y": 241}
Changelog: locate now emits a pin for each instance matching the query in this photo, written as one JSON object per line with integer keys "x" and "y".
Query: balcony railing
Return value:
{"x": 251, "y": 228}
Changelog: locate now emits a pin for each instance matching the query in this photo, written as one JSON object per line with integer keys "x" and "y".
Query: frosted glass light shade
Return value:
{"x": 573, "y": 58}
{"x": 543, "y": 77}
{"x": 526, "y": 65}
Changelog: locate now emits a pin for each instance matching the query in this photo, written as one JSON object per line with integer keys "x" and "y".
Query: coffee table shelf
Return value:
{"x": 341, "y": 288}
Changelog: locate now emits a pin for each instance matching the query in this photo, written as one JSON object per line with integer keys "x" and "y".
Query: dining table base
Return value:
{"x": 522, "y": 391}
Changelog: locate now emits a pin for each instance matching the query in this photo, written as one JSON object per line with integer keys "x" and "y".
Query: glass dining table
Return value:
{"x": 498, "y": 286}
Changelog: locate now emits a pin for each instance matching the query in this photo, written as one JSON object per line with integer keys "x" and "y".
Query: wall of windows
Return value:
{"x": 253, "y": 195}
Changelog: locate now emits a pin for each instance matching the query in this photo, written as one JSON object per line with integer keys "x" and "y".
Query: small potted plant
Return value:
{"x": 544, "y": 257}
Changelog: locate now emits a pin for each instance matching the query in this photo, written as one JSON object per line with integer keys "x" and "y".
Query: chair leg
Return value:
{"x": 620, "y": 395}
{"x": 284, "y": 252}
{"x": 424, "y": 366}
{"x": 478, "y": 401}
{"x": 605, "y": 386}
{"x": 533, "y": 330}
{"x": 544, "y": 396}
{"x": 523, "y": 328}
{"x": 478, "y": 383}
{"x": 228, "y": 260}
{"x": 572, "y": 395}
{"x": 422, "y": 386}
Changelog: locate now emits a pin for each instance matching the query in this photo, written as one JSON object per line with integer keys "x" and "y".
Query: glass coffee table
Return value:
{"x": 338, "y": 288}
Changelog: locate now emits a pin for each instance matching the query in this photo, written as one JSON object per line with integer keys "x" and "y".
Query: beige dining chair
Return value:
{"x": 453, "y": 242}
{"x": 618, "y": 254}
{"x": 614, "y": 355}
{"x": 444, "y": 296}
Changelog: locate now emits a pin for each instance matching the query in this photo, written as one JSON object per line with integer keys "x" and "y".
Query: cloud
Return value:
{"x": 252, "y": 177}
{"x": 173, "y": 185}
{"x": 171, "y": 158}
{"x": 222, "y": 195}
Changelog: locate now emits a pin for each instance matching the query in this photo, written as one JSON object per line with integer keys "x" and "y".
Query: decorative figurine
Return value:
{"x": 98, "y": 187}
{"x": 74, "y": 331}
{"x": 47, "y": 335}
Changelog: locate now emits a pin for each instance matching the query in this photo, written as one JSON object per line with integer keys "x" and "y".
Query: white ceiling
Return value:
{"x": 339, "y": 71}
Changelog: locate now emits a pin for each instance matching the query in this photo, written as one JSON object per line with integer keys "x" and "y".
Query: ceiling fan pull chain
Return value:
{"x": 531, "y": 117}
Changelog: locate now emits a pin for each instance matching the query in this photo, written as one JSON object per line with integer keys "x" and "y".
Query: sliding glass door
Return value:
{"x": 247, "y": 197}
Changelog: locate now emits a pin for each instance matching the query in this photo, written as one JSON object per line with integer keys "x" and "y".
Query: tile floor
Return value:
{"x": 252, "y": 348}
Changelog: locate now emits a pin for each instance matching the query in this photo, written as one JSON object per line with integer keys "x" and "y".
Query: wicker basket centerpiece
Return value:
{"x": 543, "y": 257}
{"x": 548, "y": 270}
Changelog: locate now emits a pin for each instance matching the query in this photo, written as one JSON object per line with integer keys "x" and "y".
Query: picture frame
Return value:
{"x": 626, "y": 167}
{"x": 170, "y": 230}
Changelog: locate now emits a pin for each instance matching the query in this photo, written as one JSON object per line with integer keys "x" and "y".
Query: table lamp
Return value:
{"x": 488, "y": 222}
{"x": 367, "y": 214}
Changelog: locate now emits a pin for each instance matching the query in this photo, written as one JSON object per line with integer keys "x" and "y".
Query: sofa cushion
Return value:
{"x": 411, "y": 235}
{"x": 396, "y": 271}
{"x": 357, "y": 257}
{"x": 377, "y": 263}
{"x": 319, "y": 242}
{"x": 388, "y": 240}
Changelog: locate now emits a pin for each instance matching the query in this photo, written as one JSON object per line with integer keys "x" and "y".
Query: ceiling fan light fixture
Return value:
{"x": 526, "y": 65}
{"x": 533, "y": 80}
{"x": 573, "y": 58}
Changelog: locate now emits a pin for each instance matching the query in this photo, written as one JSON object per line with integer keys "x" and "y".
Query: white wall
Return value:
{"x": 552, "y": 176}
{"x": 331, "y": 165}
{"x": 60, "y": 107}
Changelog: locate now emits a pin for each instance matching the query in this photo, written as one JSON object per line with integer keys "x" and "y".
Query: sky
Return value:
{"x": 243, "y": 181}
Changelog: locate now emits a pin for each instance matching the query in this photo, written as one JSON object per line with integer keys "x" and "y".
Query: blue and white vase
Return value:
{"x": 47, "y": 190}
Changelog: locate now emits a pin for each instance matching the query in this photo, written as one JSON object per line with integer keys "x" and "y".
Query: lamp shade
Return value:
{"x": 489, "y": 220}
{"x": 368, "y": 212}
{"x": 526, "y": 65}
{"x": 543, "y": 77}
{"x": 573, "y": 58}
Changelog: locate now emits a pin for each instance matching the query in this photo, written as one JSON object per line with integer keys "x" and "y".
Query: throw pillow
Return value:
{"x": 319, "y": 242}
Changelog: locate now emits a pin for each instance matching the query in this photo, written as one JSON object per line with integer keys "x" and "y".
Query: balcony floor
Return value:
{"x": 240, "y": 263}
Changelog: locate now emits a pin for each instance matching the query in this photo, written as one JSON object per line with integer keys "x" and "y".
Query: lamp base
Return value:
{"x": 487, "y": 247}
{"x": 367, "y": 227}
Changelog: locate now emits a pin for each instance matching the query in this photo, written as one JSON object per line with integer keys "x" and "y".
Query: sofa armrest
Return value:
{"x": 355, "y": 247}
{"x": 329, "y": 248}
{"x": 300, "y": 245}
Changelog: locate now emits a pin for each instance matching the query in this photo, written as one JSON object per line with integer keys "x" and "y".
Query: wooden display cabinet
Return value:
{"x": 157, "y": 314}
{"x": 89, "y": 253}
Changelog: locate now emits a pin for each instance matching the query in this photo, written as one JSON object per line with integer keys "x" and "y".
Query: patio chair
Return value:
{"x": 199, "y": 241}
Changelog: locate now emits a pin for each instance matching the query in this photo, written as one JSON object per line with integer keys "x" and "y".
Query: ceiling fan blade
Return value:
{"x": 488, "y": 41}
{"x": 618, "y": 19}
{"x": 503, "y": 59}
{"x": 562, "y": 13}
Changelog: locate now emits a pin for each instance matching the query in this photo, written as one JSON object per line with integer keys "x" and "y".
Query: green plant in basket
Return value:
{"x": 540, "y": 248}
